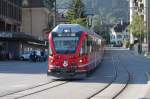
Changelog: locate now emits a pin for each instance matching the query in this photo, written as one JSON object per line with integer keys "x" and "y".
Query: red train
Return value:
{"x": 73, "y": 50}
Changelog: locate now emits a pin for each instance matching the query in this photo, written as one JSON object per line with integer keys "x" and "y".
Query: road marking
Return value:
{"x": 21, "y": 85}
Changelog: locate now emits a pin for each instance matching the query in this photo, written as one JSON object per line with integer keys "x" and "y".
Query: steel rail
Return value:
{"x": 105, "y": 87}
{"x": 35, "y": 86}
{"x": 115, "y": 78}
{"x": 38, "y": 91}
{"x": 127, "y": 83}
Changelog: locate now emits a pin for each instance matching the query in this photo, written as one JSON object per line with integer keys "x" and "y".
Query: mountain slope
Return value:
{"x": 108, "y": 9}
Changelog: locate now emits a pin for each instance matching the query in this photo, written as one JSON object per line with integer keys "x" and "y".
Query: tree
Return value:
{"x": 76, "y": 12}
{"x": 137, "y": 26}
{"x": 96, "y": 22}
{"x": 81, "y": 21}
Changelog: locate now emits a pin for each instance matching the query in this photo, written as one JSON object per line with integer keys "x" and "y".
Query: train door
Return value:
{"x": 90, "y": 46}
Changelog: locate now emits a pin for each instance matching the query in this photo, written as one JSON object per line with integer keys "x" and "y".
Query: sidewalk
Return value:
{"x": 147, "y": 55}
{"x": 143, "y": 57}
{"x": 137, "y": 54}
{"x": 147, "y": 95}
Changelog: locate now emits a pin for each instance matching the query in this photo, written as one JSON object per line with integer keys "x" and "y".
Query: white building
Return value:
{"x": 119, "y": 33}
{"x": 140, "y": 7}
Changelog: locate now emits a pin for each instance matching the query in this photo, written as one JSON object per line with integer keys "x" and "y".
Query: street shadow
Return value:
{"x": 23, "y": 67}
{"x": 130, "y": 68}
{"x": 105, "y": 73}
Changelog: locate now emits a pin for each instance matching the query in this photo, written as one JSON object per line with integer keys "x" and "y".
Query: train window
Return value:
{"x": 50, "y": 51}
{"x": 65, "y": 45}
{"x": 84, "y": 49}
{"x": 89, "y": 44}
{"x": 93, "y": 47}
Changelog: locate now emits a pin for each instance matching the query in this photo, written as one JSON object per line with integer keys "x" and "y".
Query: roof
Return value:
{"x": 120, "y": 27}
{"x": 75, "y": 28}
{"x": 19, "y": 36}
{"x": 36, "y": 3}
{"x": 72, "y": 27}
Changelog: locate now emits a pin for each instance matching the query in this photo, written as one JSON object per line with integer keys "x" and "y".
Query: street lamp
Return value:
{"x": 25, "y": 3}
{"x": 147, "y": 3}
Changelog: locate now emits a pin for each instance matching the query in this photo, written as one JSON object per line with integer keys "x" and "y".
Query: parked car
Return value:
{"x": 25, "y": 56}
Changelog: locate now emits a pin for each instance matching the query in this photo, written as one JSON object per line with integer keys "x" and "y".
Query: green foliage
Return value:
{"x": 111, "y": 10}
{"x": 76, "y": 12}
{"x": 96, "y": 21}
{"x": 126, "y": 43}
{"x": 137, "y": 25}
{"x": 106, "y": 36}
{"x": 111, "y": 19}
{"x": 81, "y": 21}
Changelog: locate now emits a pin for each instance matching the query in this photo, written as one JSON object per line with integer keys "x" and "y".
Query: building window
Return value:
{"x": 119, "y": 36}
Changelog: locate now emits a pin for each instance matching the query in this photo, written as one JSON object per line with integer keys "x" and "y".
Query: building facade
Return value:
{"x": 10, "y": 21}
{"x": 148, "y": 23}
{"x": 142, "y": 7}
{"x": 10, "y": 15}
{"x": 119, "y": 34}
{"x": 36, "y": 18}
{"x": 13, "y": 42}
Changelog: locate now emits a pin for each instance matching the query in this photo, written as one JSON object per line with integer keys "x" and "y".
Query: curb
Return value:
{"x": 141, "y": 55}
{"x": 147, "y": 95}
{"x": 147, "y": 54}
{"x": 148, "y": 76}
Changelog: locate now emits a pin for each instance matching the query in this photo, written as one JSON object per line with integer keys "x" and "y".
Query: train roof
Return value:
{"x": 72, "y": 27}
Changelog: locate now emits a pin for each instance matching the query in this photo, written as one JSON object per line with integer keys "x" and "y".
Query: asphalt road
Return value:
{"x": 121, "y": 75}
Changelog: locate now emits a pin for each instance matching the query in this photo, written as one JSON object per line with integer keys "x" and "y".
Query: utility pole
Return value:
{"x": 93, "y": 11}
{"x": 148, "y": 24}
{"x": 30, "y": 10}
{"x": 55, "y": 12}
{"x": 147, "y": 19}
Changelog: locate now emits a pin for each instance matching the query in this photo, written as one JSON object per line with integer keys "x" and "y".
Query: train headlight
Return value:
{"x": 51, "y": 61}
{"x": 80, "y": 61}
{"x": 65, "y": 64}
{"x": 51, "y": 66}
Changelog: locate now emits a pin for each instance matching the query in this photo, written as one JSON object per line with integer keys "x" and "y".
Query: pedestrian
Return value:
{"x": 42, "y": 56}
{"x": 34, "y": 56}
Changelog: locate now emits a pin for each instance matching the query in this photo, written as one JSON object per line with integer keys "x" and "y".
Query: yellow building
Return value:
{"x": 35, "y": 18}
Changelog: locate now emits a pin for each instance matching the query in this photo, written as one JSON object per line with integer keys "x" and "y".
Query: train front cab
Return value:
{"x": 64, "y": 54}
{"x": 84, "y": 58}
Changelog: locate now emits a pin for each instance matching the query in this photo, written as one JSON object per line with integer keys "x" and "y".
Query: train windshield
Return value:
{"x": 65, "y": 45}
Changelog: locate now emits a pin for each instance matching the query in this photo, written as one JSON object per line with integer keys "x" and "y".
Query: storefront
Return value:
{"x": 12, "y": 44}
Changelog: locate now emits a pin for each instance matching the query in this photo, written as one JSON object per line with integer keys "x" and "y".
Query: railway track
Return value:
{"x": 105, "y": 91}
{"x": 55, "y": 83}
{"x": 33, "y": 90}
